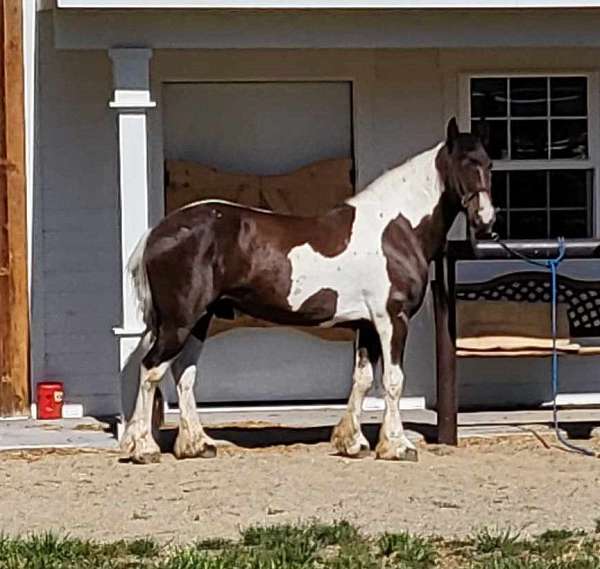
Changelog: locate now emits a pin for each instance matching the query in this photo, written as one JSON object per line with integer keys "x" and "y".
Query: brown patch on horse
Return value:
{"x": 432, "y": 230}
{"x": 332, "y": 238}
{"x": 322, "y": 302}
{"x": 407, "y": 270}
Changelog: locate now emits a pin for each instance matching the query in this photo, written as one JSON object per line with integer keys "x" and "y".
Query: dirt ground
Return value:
{"x": 508, "y": 482}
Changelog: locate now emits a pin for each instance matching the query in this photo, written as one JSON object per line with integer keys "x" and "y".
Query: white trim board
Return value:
{"x": 369, "y": 404}
{"x": 69, "y": 411}
{"x": 575, "y": 400}
{"x": 330, "y": 4}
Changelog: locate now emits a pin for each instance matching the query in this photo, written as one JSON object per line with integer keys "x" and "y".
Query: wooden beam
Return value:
{"x": 14, "y": 310}
{"x": 447, "y": 405}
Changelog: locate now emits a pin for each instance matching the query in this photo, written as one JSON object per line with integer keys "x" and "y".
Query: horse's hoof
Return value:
{"x": 208, "y": 451}
{"x": 146, "y": 458}
{"x": 351, "y": 449}
{"x": 127, "y": 445}
{"x": 347, "y": 441}
{"x": 190, "y": 448}
{"x": 362, "y": 451}
{"x": 139, "y": 446}
{"x": 388, "y": 451}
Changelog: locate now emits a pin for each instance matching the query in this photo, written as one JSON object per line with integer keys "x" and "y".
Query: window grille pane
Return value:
{"x": 500, "y": 225}
{"x": 488, "y": 98}
{"x": 529, "y": 140}
{"x": 499, "y": 188}
{"x": 528, "y": 189}
{"x": 568, "y": 96}
{"x": 528, "y": 224}
{"x": 497, "y": 147}
{"x": 541, "y": 119}
{"x": 570, "y": 188}
{"x": 529, "y": 97}
{"x": 569, "y": 139}
{"x": 571, "y": 224}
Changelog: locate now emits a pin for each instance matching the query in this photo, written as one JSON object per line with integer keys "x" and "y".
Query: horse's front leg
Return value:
{"x": 393, "y": 443}
{"x": 347, "y": 436}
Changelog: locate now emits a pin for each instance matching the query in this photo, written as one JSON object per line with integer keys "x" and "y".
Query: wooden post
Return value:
{"x": 447, "y": 404}
{"x": 14, "y": 310}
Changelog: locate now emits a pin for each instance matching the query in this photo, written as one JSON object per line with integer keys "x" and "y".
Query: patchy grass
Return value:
{"x": 49, "y": 551}
{"x": 311, "y": 546}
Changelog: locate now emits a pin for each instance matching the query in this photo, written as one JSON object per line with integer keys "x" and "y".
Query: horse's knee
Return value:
{"x": 187, "y": 359}
{"x": 363, "y": 379}
{"x": 363, "y": 372}
{"x": 154, "y": 374}
{"x": 167, "y": 345}
{"x": 394, "y": 384}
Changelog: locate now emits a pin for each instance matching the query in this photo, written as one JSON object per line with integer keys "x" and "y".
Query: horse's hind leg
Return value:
{"x": 137, "y": 440}
{"x": 347, "y": 436}
{"x": 191, "y": 441}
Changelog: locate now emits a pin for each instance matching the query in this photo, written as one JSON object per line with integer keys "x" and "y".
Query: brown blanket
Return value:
{"x": 510, "y": 325}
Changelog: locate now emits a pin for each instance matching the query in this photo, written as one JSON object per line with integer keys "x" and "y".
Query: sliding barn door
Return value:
{"x": 282, "y": 146}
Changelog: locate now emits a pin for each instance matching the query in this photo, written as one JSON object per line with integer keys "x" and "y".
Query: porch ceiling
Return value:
{"x": 301, "y": 4}
{"x": 324, "y": 29}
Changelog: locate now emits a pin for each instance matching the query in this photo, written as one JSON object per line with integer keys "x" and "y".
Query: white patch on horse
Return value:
{"x": 486, "y": 209}
{"x": 413, "y": 190}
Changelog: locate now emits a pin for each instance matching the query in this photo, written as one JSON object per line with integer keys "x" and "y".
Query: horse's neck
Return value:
{"x": 433, "y": 231}
{"x": 414, "y": 190}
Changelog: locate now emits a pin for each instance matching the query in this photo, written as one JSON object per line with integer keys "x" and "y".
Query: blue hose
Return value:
{"x": 551, "y": 264}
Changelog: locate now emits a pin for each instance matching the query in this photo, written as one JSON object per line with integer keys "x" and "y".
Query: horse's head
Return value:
{"x": 468, "y": 174}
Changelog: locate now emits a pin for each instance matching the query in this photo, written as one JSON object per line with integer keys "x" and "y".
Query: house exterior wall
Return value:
{"x": 76, "y": 286}
{"x": 401, "y": 100}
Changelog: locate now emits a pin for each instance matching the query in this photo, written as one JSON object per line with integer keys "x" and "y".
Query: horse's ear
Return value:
{"x": 452, "y": 133}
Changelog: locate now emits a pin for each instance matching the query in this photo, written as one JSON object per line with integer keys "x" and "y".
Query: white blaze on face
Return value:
{"x": 486, "y": 209}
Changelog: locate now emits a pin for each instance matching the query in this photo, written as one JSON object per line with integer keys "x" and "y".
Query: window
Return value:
{"x": 539, "y": 141}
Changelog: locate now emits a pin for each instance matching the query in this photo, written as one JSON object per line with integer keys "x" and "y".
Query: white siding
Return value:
{"x": 76, "y": 300}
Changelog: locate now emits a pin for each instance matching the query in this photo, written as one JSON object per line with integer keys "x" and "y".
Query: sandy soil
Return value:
{"x": 512, "y": 482}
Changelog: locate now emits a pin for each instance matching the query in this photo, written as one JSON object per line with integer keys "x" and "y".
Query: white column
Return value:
{"x": 131, "y": 100}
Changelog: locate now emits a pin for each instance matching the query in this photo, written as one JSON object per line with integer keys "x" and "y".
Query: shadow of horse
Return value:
{"x": 263, "y": 437}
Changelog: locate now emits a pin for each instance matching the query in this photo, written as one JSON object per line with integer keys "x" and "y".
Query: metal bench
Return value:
{"x": 581, "y": 296}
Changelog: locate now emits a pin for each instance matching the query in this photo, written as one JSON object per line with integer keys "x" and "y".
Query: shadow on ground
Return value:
{"x": 262, "y": 437}
{"x": 274, "y": 436}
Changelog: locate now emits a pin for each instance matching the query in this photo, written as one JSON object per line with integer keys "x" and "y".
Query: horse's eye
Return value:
{"x": 490, "y": 166}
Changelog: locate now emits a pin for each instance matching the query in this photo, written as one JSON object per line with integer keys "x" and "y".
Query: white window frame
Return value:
{"x": 593, "y": 116}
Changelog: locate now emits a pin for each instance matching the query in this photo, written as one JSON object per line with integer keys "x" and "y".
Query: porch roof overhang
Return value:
{"x": 455, "y": 28}
{"x": 330, "y": 4}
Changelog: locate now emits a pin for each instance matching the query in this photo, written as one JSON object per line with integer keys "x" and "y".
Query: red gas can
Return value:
{"x": 49, "y": 400}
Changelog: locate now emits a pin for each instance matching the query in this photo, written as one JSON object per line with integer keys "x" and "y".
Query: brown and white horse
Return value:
{"x": 363, "y": 264}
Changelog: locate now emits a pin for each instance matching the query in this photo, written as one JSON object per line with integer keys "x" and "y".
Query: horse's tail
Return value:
{"x": 136, "y": 267}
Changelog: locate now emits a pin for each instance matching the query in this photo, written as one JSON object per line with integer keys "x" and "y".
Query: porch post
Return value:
{"x": 131, "y": 99}
{"x": 447, "y": 402}
{"x": 14, "y": 305}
